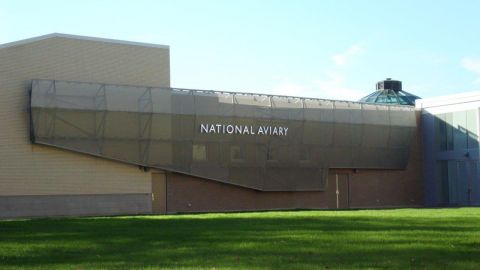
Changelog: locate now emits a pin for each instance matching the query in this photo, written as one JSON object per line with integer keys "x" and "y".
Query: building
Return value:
{"x": 92, "y": 126}
{"x": 450, "y": 127}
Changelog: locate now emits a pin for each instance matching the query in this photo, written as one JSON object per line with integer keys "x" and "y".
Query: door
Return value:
{"x": 159, "y": 193}
{"x": 473, "y": 183}
{"x": 462, "y": 183}
{"x": 342, "y": 190}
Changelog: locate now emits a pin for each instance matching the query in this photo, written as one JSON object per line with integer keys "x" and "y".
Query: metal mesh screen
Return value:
{"x": 269, "y": 143}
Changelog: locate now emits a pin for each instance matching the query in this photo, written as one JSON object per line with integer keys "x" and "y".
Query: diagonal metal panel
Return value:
{"x": 269, "y": 143}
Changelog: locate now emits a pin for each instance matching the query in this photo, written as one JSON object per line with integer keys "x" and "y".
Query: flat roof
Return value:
{"x": 460, "y": 98}
{"x": 60, "y": 35}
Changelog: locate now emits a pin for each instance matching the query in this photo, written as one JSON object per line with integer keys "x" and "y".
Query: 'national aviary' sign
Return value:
{"x": 241, "y": 129}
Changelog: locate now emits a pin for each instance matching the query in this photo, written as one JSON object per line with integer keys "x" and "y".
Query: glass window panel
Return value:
{"x": 199, "y": 152}
{"x": 305, "y": 153}
{"x": 440, "y": 132}
{"x": 442, "y": 182}
{"x": 452, "y": 182}
{"x": 236, "y": 153}
{"x": 462, "y": 183}
{"x": 449, "y": 130}
{"x": 459, "y": 130}
{"x": 475, "y": 183}
{"x": 272, "y": 153}
{"x": 472, "y": 129}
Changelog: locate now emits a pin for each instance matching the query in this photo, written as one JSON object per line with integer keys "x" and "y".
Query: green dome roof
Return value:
{"x": 390, "y": 92}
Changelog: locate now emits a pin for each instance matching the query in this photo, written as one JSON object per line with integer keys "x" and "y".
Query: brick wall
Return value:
{"x": 27, "y": 169}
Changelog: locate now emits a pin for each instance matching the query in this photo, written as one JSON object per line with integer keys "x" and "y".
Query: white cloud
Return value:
{"x": 332, "y": 87}
{"x": 472, "y": 65}
{"x": 343, "y": 58}
{"x": 287, "y": 88}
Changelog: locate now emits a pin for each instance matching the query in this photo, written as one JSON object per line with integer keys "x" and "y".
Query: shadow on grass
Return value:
{"x": 315, "y": 241}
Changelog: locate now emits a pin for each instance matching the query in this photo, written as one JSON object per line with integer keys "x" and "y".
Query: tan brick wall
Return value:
{"x": 27, "y": 169}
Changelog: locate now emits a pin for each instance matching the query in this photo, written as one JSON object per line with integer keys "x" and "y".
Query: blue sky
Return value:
{"x": 325, "y": 49}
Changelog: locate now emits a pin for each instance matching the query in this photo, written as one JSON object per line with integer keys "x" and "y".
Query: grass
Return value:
{"x": 370, "y": 239}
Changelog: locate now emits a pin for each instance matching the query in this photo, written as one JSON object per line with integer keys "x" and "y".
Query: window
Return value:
{"x": 442, "y": 182}
{"x": 472, "y": 129}
{"x": 199, "y": 152}
{"x": 457, "y": 130}
{"x": 236, "y": 153}
{"x": 271, "y": 153}
{"x": 459, "y": 123}
{"x": 305, "y": 153}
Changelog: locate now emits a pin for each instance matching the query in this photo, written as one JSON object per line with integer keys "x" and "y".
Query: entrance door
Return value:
{"x": 474, "y": 183}
{"x": 342, "y": 190}
{"x": 463, "y": 182}
{"x": 159, "y": 193}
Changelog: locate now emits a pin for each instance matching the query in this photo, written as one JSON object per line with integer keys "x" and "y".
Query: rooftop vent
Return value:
{"x": 389, "y": 84}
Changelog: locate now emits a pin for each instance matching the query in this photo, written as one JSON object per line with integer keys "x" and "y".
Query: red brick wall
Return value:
{"x": 366, "y": 189}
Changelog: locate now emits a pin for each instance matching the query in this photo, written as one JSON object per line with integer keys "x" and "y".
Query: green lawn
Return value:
{"x": 376, "y": 239}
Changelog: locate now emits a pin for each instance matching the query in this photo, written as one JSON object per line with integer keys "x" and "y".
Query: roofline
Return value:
{"x": 189, "y": 90}
{"x": 105, "y": 40}
{"x": 448, "y": 99}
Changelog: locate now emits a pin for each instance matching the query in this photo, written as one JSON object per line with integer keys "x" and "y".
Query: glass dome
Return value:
{"x": 390, "y": 92}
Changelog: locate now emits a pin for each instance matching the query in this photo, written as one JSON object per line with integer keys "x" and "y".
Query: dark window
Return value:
{"x": 236, "y": 153}
{"x": 305, "y": 153}
{"x": 272, "y": 153}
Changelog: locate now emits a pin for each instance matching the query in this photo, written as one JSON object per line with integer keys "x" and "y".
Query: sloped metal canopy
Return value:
{"x": 268, "y": 143}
